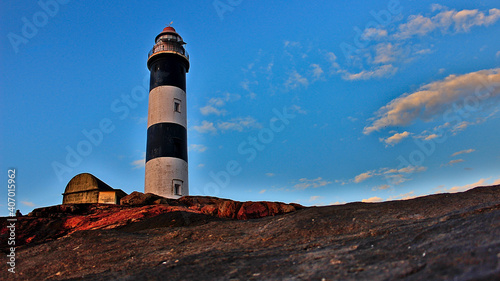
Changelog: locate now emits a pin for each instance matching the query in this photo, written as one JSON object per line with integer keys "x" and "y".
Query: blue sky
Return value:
{"x": 318, "y": 103}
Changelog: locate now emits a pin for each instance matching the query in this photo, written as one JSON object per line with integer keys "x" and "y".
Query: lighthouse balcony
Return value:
{"x": 168, "y": 48}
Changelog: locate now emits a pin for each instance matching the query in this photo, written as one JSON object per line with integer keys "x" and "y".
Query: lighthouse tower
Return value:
{"x": 166, "y": 149}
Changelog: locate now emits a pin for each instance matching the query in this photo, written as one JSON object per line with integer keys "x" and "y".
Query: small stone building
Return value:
{"x": 86, "y": 188}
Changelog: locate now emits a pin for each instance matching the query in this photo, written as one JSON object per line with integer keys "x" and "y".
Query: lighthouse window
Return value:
{"x": 177, "y": 105}
{"x": 177, "y": 186}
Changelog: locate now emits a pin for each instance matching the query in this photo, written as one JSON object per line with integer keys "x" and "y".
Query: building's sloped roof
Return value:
{"x": 86, "y": 182}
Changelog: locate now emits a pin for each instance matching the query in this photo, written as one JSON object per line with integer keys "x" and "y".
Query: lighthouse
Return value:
{"x": 166, "y": 148}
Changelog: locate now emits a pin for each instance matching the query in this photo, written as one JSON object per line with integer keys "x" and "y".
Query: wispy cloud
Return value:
{"x": 28, "y": 203}
{"x": 405, "y": 196}
{"x": 295, "y": 80}
{"x": 497, "y": 181}
{"x": 315, "y": 198}
{"x": 317, "y": 71}
{"x": 376, "y": 72}
{"x": 198, "y": 147}
{"x": 446, "y": 21}
{"x": 385, "y": 48}
{"x": 392, "y": 176}
{"x": 381, "y": 187}
{"x": 395, "y": 139}
{"x": 238, "y": 124}
{"x": 210, "y": 109}
{"x": 431, "y": 137}
{"x": 338, "y": 203}
{"x": 453, "y": 162}
{"x": 314, "y": 183}
{"x": 214, "y": 105}
{"x": 297, "y": 109}
{"x": 463, "y": 152}
{"x": 433, "y": 100}
{"x": 463, "y": 187}
{"x": 374, "y": 199}
{"x": 270, "y": 174}
{"x": 205, "y": 127}
{"x": 363, "y": 176}
{"x": 139, "y": 163}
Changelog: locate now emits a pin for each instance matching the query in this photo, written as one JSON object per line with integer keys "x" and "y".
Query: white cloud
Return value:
{"x": 262, "y": 191}
{"x": 463, "y": 152}
{"x": 198, "y": 147}
{"x": 395, "y": 139}
{"x": 142, "y": 119}
{"x": 140, "y": 163}
{"x": 385, "y": 53}
{"x": 363, "y": 176}
{"x": 377, "y": 72}
{"x": 458, "y": 21}
{"x": 372, "y": 200}
{"x": 291, "y": 44}
{"x": 238, "y": 124}
{"x": 374, "y": 33}
{"x": 209, "y": 109}
{"x": 462, "y": 126}
{"x": 453, "y": 162}
{"x": 314, "y": 183}
{"x": 433, "y": 100}
{"x": 28, "y": 203}
{"x": 430, "y": 137}
{"x": 205, "y": 127}
{"x": 464, "y": 187}
{"x": 416, "y": 25}
{"x": 332, "y": 58}
{"x": 392, "y": 176}
{"x": 386, "y": 49}
{"x": 381, "y": 187}
{"x": 246, "y": 86}
{"x": 214, "y": 104}
{"x": 405, "y": 196}
{"x": 270, "y": 174}
{"x": 315, "y": 198}
{"x": 406, "y": 170}
{"x": 201, "y": 165}
{"x": 317, "y": 71}
{"x": 497, "y": 181}
{"x": 338, "y": 203}
{"x": 295, "y": 80}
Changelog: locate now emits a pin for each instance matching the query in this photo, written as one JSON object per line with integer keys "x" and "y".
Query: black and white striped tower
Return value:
{"x": 166, "y": 149}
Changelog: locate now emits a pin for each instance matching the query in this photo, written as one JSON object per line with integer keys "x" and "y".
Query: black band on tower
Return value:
{"x": 167, "y": 70}
{"x": 166, "y": 140}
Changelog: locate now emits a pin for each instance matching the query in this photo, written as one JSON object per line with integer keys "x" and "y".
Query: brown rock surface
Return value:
{"x": 139, "y": 198}
{"x": 438, "y": 237}
{"x": 39, "y": 226}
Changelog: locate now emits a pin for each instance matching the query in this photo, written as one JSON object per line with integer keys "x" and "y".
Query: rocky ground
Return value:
{"x": 437, "y": 237}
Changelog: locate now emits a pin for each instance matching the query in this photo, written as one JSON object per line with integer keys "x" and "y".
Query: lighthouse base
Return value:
{"x": 167, "y": 177}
